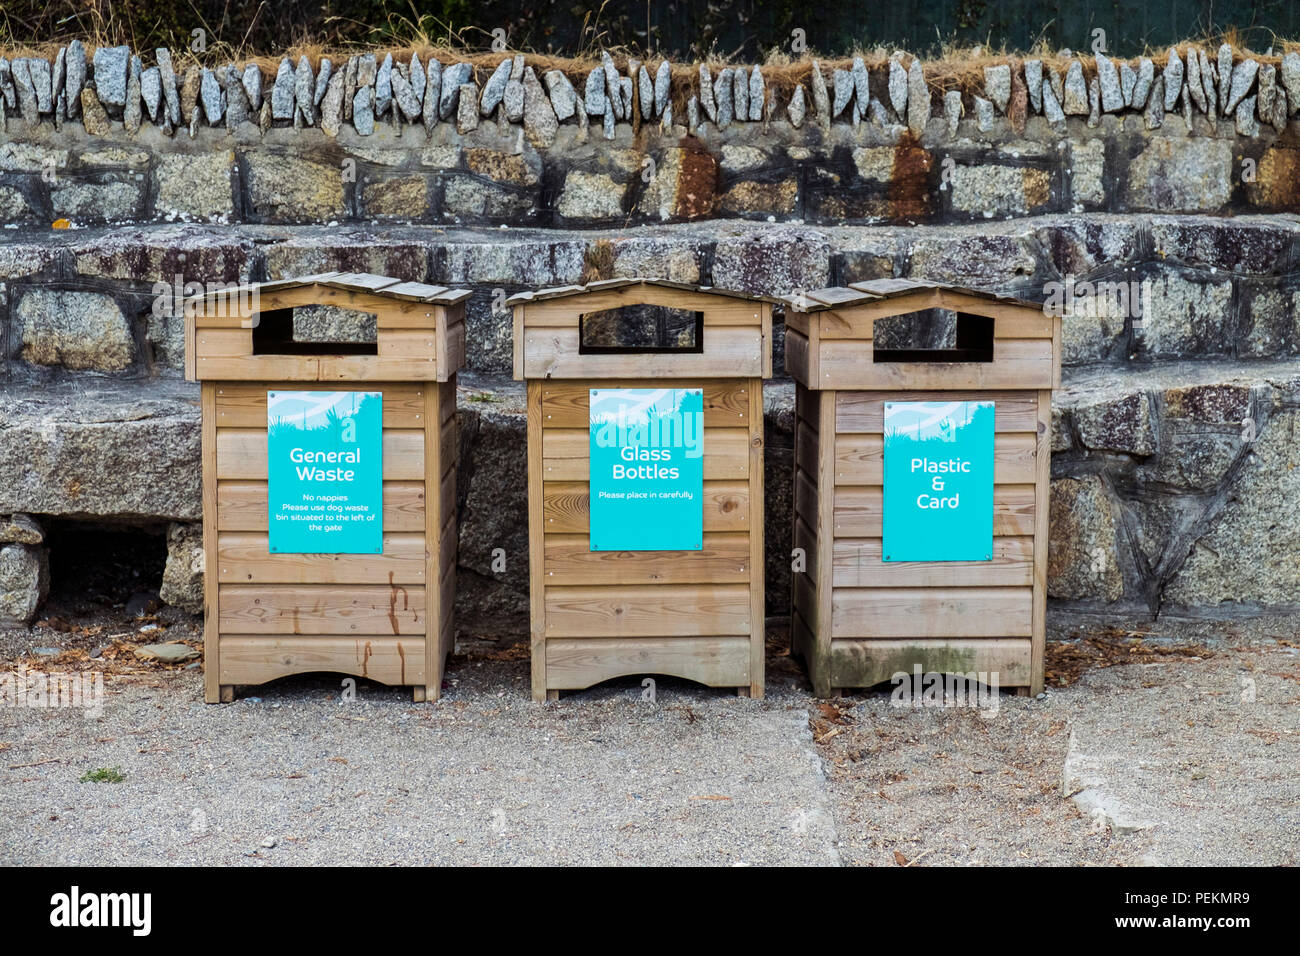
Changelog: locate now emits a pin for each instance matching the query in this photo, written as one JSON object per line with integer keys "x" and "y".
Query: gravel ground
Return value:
{"x": 1170, "y": 761}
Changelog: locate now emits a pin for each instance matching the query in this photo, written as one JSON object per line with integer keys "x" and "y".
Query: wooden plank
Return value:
{"x": 565, "y": 506}
{"x": 724, "y": 559}
{"x": 728, "y": 353}
{"x": 243, "y": 405}
{"x": 1017, "y": 364}
{"x": 244, "y": 558}
{"x": 565, "y": 454}
{"x": 1038, "y": 644}
{"x": 757, "y": 594}
{"x": 859, "y": 459}
{"x": 448, "y": 436}
{"x": 255, "y": 659}
{"x": 858, "y": 510}
{"x": 822, "y": 618}
{"x": 805, "y": 496}
{"x": 797, "y": 351}
{"x": 857, "y": 564}
{"x": 241, "y": 506}
{"x": 712, "y": 661}
{"x": 864, "y": 663}
{"x": 214, "y": 343}
{"x": 211, "y": 622}
{"x": 798, "y": 321}
{"x": 726, "y": 402}
{"x": 662, "y": 610}
{"x": 536, "y": 552}
{"x": 321, "y": 609}
{"x": 517, "y": 318}
{"x": 805, "y": 599}
{"x": 434, "y": 520}
{"x": 931, "y": 612}
{"x": 408, "y": 343}
{"x": 863, "y": 412}
{"x": 315, "y": 368}
{"x": 241, "y": 454}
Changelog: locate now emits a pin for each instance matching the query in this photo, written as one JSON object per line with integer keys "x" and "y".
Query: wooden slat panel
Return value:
{"x": 321, "y": 609}
{"x": 248, "y": 659}
{"x": 726, "y": 403}
{"x": 241, "y": 506}
{"x": 863, "y": 412}
{"x": 565, "y": 454}
{"x": 857, "y": 564}
{"x": 565, "y": 506}
{"x": 712, "y": 661}
{"x": 244, "y": 558}
{"x": 728, "y": 353}
{"x": 1017, "y": 364}
{"x": 723, "y": 559}
{"x": 669, "y": 610}
{"x": 858, "y": 510}
{"x": 859, "y": 459}
{"x": 862, "y": 663}
{"x": 241, "y": 454}
{"x": 243, "y": 405}
{"x": 931, "y": 612}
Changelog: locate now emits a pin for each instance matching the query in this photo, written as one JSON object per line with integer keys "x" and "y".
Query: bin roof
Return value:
{"x": 860, "y": 293}
{"x": 366, "y": 283}
{"x": 603, "y": 285}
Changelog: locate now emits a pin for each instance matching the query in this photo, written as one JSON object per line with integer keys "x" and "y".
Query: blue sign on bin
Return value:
{"x": 646, "y": 485}
{"x": 938, "y": 476}
{"x": 324, "y": 468}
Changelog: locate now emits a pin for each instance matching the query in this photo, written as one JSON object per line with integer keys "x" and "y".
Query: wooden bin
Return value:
{"x": 692, "y": 614}
{"x": 858, "y": 620}
{"x": 388, "y": 616}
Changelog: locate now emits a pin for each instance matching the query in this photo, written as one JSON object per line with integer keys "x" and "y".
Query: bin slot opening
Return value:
{"x": 632, "y": 329}
{"x": 303, "y": 331}
{"x": 933, "y": 335}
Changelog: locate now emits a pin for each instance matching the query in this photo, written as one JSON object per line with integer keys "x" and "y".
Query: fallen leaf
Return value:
{"x": 900, "y": 859}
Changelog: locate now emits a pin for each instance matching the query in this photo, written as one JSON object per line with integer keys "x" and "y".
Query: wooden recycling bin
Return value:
{"x": 384, "y": 615}
{"x": 861, "y": 616}
{"x": 601, "y": 606}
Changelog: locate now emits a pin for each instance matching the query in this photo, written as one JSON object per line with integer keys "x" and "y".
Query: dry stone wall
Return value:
{"x": 1145, "y": 199}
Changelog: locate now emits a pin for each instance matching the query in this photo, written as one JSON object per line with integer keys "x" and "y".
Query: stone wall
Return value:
{"x": 1173, "y": 436}
{"x": 103, "y": 138}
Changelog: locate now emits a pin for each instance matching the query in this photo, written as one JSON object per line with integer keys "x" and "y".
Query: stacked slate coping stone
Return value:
{"x": 115, "y": 84}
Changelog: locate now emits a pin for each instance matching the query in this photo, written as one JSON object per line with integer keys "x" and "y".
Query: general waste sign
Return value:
{"x": 324, "y": 467}
{"x": 938, "y": 475}
{"x": 646, "y": 485}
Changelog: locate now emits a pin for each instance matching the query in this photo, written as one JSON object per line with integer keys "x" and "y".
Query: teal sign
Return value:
{"x": 325, "y": 472}
{"x": 647, "y": 469}
{"x": 938, "y": 476}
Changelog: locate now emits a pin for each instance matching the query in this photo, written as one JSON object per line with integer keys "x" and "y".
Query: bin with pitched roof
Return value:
{"x": 329, "y": 481}
{"x": 922, "y": 467}
{"x": 645, "y": 482}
